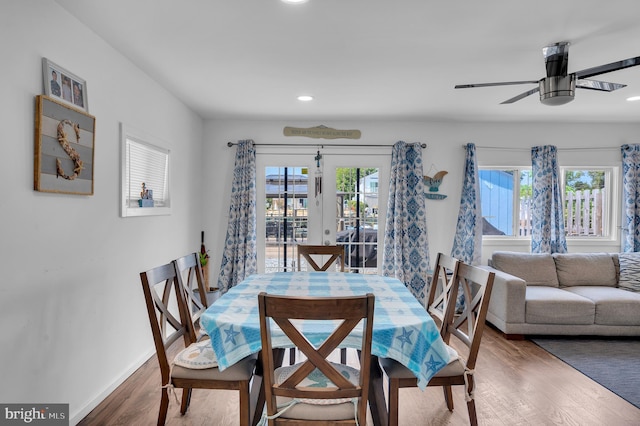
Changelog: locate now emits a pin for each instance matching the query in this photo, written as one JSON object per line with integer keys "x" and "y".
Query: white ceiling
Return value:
{"x": 371, "y": 59}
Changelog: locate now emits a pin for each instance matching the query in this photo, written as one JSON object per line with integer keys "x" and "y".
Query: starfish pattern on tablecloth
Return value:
{"x": 432, "y": 364}
{"x": 231, "y": 335}
{"x": 405, "y": 337}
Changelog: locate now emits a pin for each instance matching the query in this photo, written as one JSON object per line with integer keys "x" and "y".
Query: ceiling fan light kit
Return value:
{"x": 558, "y": 87}
{"x": 557, "y": 90}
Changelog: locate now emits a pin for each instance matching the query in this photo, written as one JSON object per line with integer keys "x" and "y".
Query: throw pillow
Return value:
{"x": 534, "y": 268}
{"x": 629, "y": 271}
{"x": 578, "y": 269}
{"x": 197, "y": 356}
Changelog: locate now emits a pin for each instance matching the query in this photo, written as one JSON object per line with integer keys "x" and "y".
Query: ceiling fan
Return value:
{"x": 558, "y": 87}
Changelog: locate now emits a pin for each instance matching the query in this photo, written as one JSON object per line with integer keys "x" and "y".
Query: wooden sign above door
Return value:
{"x": 321, "y": 132}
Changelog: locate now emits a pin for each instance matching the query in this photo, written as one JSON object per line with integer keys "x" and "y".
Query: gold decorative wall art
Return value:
{"x": 322, "y": 132}
{"x": 64, "y": 148}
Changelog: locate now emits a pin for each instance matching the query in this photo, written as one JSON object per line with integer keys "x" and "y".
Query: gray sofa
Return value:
{"x": 564, "y": 294}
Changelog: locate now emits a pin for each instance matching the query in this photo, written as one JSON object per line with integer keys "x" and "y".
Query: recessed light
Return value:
{"x": 633, "y": 98}
{"x": 294, "y": 1}
{"x": 305, "y": 98}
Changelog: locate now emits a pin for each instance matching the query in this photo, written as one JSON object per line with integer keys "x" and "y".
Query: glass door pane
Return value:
{"x": 356, "y": 217}
{"x": 285, "y": 216}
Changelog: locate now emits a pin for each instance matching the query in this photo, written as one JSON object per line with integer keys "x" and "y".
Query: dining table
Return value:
{"x": 402, "y": 329}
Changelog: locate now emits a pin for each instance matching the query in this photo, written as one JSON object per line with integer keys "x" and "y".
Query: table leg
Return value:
{"x": 257, "y": 386}
{"x": 377, "y": 402}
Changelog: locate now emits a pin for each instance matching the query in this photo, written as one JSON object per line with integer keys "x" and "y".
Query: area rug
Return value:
{"x": 613, "y": 363}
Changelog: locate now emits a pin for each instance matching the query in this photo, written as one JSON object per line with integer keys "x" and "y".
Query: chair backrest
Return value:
{"x": 191, "y": 279}
{"x": 476, "y": 284}
{"x": 163, "y": 297}
{"x": 307, "y": 251}
{"x": 443, "y": 287}
{"x": 351, "y": 310}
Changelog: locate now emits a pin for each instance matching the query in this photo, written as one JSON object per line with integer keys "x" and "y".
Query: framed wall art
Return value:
{"x": 64, "y": 86}
{"x": 64, "y": 148}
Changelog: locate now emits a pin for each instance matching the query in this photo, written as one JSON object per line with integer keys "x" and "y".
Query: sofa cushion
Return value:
{"x": 551, "y": 305}
{"x": 614, "y": 306}
{"x": 629, "y": 271}
{"x": 535, "y": 269}
{"x": 585, "y": 269}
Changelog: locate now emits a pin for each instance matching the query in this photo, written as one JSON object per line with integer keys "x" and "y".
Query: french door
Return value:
{"x": 336, "y": 197}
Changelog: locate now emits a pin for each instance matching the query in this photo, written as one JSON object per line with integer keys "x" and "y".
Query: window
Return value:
{"x": 145, "y": 175}
{"x": 586, "y": 206}
{"x": 505, "y": 196}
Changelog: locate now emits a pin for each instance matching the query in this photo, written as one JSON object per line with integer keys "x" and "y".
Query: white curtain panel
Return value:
{"x": 239, "y": 259}
{"x": 406, "y": 247}
{"x": 467, "y": 243}
{"x": 547, "y": 219}
{"x": 630, "y": 198}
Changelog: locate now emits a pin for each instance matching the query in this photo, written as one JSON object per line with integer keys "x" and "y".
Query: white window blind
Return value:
{"x": 146, "y": 163}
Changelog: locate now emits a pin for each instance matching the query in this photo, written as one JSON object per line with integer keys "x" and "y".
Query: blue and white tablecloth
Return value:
{"x": 402, "y": 328}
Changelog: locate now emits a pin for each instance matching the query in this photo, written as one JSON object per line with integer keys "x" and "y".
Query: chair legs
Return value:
{"x": 393, "y": 403}
{"x": 394, "y": 390}
{"x": 186, "y": 399}
{"x": 245, "y": 399}
{"x": 471, "y": 406}
{"x": 245, "y": 404}
{"x": 448, "y": 397}
{"x": 164, "y": 407}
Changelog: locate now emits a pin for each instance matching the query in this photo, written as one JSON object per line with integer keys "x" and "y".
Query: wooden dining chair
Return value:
{"x": 444, "y": 277}
{"x": 468, "y": 328}
{"x": 192, "y": 280}
{"x": 194, "y": 366}
{"x": 316, "y": 391}
{"x": 308, "y": 251}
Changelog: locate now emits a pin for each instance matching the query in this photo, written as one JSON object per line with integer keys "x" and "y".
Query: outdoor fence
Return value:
{"x": 583, "y": 211}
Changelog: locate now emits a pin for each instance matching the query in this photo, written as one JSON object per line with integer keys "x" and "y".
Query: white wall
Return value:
{"x": 74, "y": 323}
{"x": 71, "y": 308}
{"x": 444, "y": 151}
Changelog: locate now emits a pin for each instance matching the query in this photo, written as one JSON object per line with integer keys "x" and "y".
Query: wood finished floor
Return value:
{"x": 518, "y": 384}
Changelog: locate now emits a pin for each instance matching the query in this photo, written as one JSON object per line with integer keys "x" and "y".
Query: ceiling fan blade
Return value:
{"x": 613, "y": 66}
{"x": 502, "y": 83}
{"x": 604, "y": 86}
{"x": 556, "y": 59}
{"x": 521, "y": 95}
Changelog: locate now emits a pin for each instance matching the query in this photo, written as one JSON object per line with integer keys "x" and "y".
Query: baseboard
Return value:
{"x": 76, "y": 417}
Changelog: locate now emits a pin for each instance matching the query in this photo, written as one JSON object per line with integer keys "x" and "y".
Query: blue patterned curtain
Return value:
{"x": 630, "y": 198}
{"x": 467, "y": 243}
{"x": 406, "y": 249}
{"x": 547, "y": 219}
{"x": 239, "y": 259}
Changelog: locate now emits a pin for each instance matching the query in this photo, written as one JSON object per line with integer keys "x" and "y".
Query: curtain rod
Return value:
{"x": 230, "y": 144}
{"x": 602, "y": 148}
